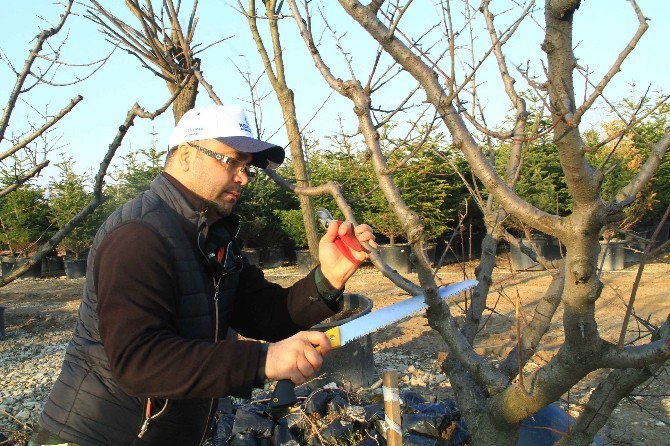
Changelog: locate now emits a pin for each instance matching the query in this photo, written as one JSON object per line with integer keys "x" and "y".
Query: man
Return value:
{"x": 165, "y": 281}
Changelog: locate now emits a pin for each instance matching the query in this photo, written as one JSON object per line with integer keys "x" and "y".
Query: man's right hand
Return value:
{"x": 296, "y": 358}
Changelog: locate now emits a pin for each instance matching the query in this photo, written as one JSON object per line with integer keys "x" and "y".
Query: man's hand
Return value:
{"x": 296, "y": 358}
{"x": 335, "y": 265}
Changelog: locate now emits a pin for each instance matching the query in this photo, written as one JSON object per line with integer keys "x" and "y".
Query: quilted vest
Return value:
{"x": 86, "y": 406}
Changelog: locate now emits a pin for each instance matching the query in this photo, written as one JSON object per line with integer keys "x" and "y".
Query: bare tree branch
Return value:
{"x": 462, "y": 138}
{"x": 286, "y": 100}
{"x": 538, "y": 326}
{"x": 439, "y": 315}
{"x": 333, "y": 189}
{"x": 616, "y": 67}
{"x": 32, "y": 173}
{"x": 635, "y": 356}
{"x": 157, "y": 41}
{"x": 97, "y": 198}
{"x": 606, "y": 396}
{"x": 21, "y": 78}
{"x": 208, "y": 87}
{"x": 40, "y": 131}
{"x": 638, "y": 277}
{"x": 628, "y": 193}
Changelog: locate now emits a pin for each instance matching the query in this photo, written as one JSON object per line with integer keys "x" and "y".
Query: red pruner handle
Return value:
{"x": 345, "y": 242}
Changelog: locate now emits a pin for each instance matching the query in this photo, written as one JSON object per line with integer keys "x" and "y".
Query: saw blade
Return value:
{"x": 375, "y": 320}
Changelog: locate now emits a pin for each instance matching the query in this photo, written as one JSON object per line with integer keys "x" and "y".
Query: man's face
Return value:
{"x": 215, "y": 181}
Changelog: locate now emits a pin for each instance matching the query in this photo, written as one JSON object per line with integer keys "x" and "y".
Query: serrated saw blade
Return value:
{"x": 375, "y": 320}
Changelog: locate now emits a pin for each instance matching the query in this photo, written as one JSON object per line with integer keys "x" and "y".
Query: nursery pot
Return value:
{"x": 397, "y": 257}
{"x": 612, "y": 255}
{"x": 253, "y": 256}
{"x": 304, "y": 260}
{"x": 34, "y": 272}
{"x": 352, "y": 363}
{"x": 75, "y": 268}
{"x": 664, "y": 234}
{"x": 448, "y": 257}
{"x": 7, "y": 264}
{"x": 53, "y": 266}
{"x": 272, "y": 256}
{"x": 10, "y": 263}
{"x": 521, "y": 262}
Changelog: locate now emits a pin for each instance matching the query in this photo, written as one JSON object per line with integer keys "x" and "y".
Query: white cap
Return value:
{"x": 227, "y": 124}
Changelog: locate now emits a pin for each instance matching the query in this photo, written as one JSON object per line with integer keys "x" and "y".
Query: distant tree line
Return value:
{"x": 432, "y": 179}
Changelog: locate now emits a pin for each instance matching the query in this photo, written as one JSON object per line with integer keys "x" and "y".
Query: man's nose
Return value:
{"x": 242, "y": 177}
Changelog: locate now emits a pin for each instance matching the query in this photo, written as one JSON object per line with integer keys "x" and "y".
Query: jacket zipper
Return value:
{"x": 217, "y": 283}
{"x": 148, "y": 417}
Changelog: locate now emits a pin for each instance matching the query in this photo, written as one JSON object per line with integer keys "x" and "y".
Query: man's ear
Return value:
{"x": 184, "y": 157}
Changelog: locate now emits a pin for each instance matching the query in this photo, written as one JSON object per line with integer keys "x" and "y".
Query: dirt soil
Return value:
{"x": 40, "y": 315}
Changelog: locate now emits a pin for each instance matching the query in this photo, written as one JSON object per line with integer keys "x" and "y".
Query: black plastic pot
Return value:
{"x": 272, "y": 256}
{"x": 7, "y": 264}
{"x": 521, "y": 262}
{"x": 75, "y": 268}
{"x": 289, "y": 253}
{"x": 397, "y": 257}
{"x": 304, "y": 261}
{"x": 664, "y": 235}
{"x": 253, "y": 255}
{"x": 354, "y": 362}
{"x": 612, "y": 255}
{"x": 34, "y": 272}
{"x": 10, "y": 263}
{"x": 53, "y": 266}
{"x": 449, "y": 257}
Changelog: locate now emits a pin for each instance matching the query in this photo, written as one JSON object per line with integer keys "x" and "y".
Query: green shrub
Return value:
{"x": 70, "y": 192}
{"x": 25, "y": 219}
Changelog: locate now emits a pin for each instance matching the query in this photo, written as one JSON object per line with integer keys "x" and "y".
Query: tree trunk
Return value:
{"x": 287, "y": 104}
{"x": 185, "y": 100}
{"x": 488, "y": 432}
{"x": 471, "y": 399}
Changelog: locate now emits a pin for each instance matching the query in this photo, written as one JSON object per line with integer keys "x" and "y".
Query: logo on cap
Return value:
{"x": 245, "y": 127}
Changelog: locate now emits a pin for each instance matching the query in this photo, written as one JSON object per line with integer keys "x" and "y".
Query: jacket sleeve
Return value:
{"x": 136, "y": 290}
{"x": 265, "y": 310}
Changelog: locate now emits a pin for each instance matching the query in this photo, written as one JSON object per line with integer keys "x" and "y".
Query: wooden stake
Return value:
{"x": 519, "y": 356}
{"x": 392, "y": 407}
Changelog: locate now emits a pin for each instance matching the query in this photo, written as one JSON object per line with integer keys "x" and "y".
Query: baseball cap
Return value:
{"x": 227, "y": 124}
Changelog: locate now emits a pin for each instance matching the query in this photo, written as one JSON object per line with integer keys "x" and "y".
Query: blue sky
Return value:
{"x": 602, "y": 28}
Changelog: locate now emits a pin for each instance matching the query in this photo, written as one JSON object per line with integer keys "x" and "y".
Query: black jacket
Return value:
{"x": 146, "y": 328}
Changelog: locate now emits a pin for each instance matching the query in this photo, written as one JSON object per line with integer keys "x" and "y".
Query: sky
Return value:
{"x": 602, "y": 29}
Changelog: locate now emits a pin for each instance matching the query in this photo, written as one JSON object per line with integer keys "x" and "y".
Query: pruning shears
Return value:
{"x": 344, "y": 242}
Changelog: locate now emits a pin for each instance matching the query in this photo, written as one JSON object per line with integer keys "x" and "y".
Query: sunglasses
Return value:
{"x": 230, "y": 163}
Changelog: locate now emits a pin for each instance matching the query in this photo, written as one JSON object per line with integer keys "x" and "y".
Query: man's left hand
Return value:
{"x": 336, "y": 266}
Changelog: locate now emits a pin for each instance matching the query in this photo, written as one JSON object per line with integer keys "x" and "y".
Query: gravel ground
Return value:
{"x": 41, "y": 314}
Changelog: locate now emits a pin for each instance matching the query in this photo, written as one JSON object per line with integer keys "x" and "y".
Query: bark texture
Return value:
{"x": 287, "y": 103}
{"x": 492, "y": 403}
